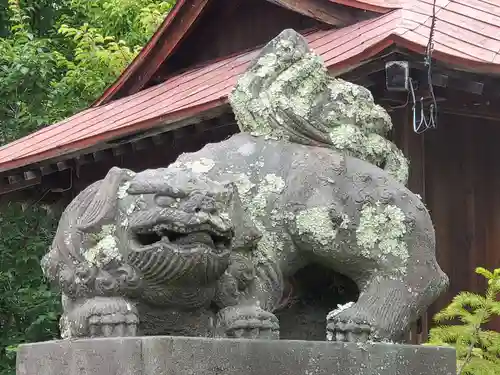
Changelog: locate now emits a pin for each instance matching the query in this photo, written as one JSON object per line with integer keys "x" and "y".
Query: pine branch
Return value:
{"x": 478, "y": 350}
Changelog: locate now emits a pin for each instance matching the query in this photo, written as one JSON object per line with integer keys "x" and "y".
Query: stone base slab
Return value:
{"x": 162, "y": 355}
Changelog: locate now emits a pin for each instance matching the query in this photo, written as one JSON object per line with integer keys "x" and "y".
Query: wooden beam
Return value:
{"x": 142, "y": 144}
{"x": 324, "y": 11}
{"x": 47, "y": 169}
{"x": 102, "y": 155}
{"x": 365, "y": 70}
{"x": 441, "y": 76}
{"x": 83, "y": 159}
{"x": 15, "y": 182}
{"x": 15, "y": 179}
{"x": 62, "y": 166}
{"x": 120, "y": 150}
{"x": 30, "y": 175}
{"x": 158, "y": 139}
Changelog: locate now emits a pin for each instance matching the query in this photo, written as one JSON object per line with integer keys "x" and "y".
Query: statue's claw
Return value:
{"x": 344, "y": 327}
{"x": 113, "y": 325}
{"x": 101, "y": 317}
{"x": 250, "y": 322}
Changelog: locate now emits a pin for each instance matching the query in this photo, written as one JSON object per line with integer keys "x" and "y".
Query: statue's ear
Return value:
{"x": 102, "y": 207}
{"x": 246, "y": 234}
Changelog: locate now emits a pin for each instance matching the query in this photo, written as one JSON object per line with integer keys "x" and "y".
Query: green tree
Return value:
{"x": 29, "y": 309}
{"x": 478, "y": 349}
{"x": 56, "y": 57}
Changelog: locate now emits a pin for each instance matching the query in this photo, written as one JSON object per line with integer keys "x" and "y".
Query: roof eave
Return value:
{"x": 360, "y": 4}
{"x": 176, "y": 32}
{"x": 193, "y": 8}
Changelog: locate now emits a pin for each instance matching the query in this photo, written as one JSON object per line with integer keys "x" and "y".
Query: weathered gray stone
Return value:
{"x": 205, "y": 246}
{"x": 287, "y": 94}
{"x": 192, "y": 356}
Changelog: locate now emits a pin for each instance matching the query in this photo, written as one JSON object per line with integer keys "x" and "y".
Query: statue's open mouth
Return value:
{"x": 203, "y": 237}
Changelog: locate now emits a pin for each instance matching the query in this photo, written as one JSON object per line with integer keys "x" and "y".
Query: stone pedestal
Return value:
{"x": 194, "y": 356}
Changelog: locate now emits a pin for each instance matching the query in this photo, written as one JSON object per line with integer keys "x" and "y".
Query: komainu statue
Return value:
{"x": 204, "y": 246}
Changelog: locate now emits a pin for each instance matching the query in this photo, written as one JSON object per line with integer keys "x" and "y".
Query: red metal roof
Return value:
{"x": 170, "y": 34}
{"x": 467, "y": 34}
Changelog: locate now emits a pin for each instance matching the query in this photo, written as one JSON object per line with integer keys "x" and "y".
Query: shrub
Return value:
{"x": 29, "y": 308}
{"x": 478, "y": 349}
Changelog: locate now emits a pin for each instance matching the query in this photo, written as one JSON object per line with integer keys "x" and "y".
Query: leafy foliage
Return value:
{"x": 29, "y": 309}
{"x": 478, "y": 350}
{"x": 57, "y": 57}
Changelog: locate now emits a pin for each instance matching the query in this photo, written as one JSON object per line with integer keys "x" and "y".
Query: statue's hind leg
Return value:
{"x": 383, "y": 311}
{"x": 389, "y": 301}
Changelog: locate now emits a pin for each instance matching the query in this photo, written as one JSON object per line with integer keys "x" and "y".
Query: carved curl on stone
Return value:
{"x": 84, "y": 259}
{"x": 288, "y": 94}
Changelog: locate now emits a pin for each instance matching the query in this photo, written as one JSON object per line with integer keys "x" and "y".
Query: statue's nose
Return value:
{"x": 200, "y": 203}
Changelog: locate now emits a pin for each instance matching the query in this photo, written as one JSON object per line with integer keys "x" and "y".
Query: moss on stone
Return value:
{"x": 381, "y": 233}
{"x": 270, "y": 245}
{"x": 106, "y": 248}
{"x": 287, "y": 94}
{"x": 316, "y": 222}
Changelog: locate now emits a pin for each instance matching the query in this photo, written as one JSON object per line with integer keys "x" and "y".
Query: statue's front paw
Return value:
{"x": 247, "y": 322}
{"x": 113, "y": 325}
{"x": 347, "y": 325}
{"x": 101, "y": 317}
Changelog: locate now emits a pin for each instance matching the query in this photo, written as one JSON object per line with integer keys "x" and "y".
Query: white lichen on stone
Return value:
{"x": 300, "y": 102}
{"x": 122, "y": 190}
{"x": 64, "y": 327}
{"x": 317, "y": 223}
{"x": 346, "y": 221}
{"x": 106, "y": 248}
{"x": 346, "y": 137}
{"x": 271, "y": 184}
{"x": 332, "y": 314}
{"x": 271, "y": 243}
{"x": 247, "y": 149}
{"x": 381, "y": 232}
{"x": 67, "y": 238}
{"x": 203, "y": 165}
{"x": 244, "y": 185}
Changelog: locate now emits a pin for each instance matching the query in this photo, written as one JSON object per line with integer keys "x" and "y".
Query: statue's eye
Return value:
{"x": 165, "y": 201}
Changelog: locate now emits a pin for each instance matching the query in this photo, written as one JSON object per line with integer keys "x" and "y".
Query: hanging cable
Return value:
{"x": 422, "y": 123}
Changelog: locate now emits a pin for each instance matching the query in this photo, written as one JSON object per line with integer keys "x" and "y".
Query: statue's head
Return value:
{"x": 171, "y": 225}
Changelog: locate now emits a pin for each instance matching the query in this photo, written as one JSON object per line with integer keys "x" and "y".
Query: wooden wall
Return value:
{"x": 231, "y": 26}
{"x": 456, "y": 168}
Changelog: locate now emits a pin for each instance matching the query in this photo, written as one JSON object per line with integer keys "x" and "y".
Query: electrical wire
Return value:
{"x": 422, "y": 124}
